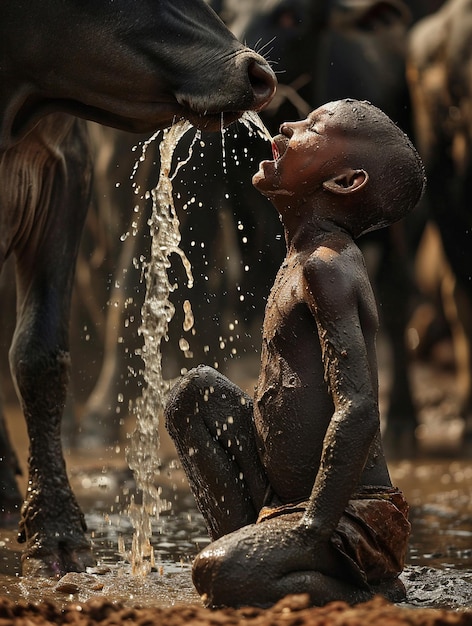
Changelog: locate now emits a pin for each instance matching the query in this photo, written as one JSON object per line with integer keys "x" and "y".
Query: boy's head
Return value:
{"x": 365, "y": 168}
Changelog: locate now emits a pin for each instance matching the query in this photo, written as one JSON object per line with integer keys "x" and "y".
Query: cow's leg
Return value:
{"x": 395, "y": 291}
{"x": 458, "y": 308}
{"x": 52, "y": 524}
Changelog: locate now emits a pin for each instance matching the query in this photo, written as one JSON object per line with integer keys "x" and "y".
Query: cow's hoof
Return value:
{"x": 56, "y": 565}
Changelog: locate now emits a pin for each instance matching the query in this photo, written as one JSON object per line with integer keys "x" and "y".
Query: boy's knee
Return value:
{"x": 185, "y": 396}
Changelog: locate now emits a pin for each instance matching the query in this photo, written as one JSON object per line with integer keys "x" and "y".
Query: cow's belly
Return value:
{"x": 27, "y": 178}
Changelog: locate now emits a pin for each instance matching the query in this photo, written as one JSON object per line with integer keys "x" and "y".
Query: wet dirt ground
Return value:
{"x": 437, "y": 483}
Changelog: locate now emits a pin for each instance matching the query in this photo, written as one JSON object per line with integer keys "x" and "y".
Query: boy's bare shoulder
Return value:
{"x": 334, "y": 254}
{"x": 334, "y": 266}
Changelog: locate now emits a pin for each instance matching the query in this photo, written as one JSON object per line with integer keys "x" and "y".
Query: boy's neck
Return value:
{"x": 307, "y": 221}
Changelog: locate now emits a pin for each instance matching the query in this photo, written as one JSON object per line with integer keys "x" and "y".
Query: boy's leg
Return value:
{"x": 261, "y": 563}
{"x": 211, "y": 422}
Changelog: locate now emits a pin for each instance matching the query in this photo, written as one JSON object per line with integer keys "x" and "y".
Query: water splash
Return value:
{"x": 223, "y": 145}
{"x": 251, "y": 119}
{"x": 157, "y": 312}
{"x": 255, "y": 126}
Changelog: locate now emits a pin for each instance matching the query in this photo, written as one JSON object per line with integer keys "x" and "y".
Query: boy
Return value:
{"x": 294, "y": 486}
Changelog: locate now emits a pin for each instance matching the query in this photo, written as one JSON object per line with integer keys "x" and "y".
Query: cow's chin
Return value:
{"x": 162, "y": 117}
{"x": 142, "y": 119}
{"x": 166, "y": 117}
{"x": 152, "y": 117}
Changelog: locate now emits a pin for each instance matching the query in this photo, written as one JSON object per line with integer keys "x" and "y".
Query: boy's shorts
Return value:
{"x": 371, "y": 538}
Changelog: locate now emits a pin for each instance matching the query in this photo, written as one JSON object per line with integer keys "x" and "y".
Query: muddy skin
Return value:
{"x": 298, "y": 477}
{"x": 280, "y": 554}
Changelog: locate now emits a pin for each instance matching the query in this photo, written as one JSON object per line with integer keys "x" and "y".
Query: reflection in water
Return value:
{"x": 440, "y": 497}
{"x": 439, "y": 571}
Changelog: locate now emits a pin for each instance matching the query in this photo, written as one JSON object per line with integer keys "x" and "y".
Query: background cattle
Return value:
{"x": 439, "y": 72}
{"x": 136, "y": 66}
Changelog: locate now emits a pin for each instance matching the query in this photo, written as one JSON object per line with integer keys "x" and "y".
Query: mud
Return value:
{"x": 291, "y": 611}
{"x": 438, "y": 576}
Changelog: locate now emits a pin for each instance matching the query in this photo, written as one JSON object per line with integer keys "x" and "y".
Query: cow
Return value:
{"x": 438, "y": 69}
{"x": 137, "y": 66}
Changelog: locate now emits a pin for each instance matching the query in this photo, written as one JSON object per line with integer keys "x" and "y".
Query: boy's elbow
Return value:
{"x": 365, "y": 414}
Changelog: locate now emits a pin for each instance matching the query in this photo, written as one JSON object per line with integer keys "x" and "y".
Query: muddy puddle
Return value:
{"x": 104, "y": 486}
{"x": 439, "y": 565}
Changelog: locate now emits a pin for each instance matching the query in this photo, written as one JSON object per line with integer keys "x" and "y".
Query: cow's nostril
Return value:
{"x": 263, "y": 83}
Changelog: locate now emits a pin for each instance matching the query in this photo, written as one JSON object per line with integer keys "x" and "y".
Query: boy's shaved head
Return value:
{"x": 346, "y": 162}
{"x": 377, "y": 145}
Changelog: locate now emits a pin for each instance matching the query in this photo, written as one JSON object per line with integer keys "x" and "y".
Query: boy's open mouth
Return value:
{"x": 279, "y": 146}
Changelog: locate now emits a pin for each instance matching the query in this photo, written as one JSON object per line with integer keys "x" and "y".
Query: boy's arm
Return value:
{"x": 335, "y": 283}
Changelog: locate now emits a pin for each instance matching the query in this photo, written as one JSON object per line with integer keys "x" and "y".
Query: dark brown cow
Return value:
{"x": 133, "y": 65}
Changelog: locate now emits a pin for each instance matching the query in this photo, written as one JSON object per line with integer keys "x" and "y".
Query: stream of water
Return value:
{"x": 157, "y": 313}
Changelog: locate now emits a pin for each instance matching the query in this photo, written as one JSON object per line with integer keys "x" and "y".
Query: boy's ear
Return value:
{"x": 349, "y": 181}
